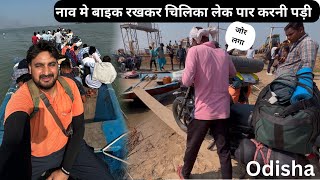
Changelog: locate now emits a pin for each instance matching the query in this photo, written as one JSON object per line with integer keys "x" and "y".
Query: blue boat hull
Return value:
{"x": 154, "y": 91}
{"x": 3, "y": 106}
{"x": 108, "y": 110}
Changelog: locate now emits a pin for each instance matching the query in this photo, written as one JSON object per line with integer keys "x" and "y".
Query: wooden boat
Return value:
{"x": 154, "y": 86}
{"x": 106, "y": 129}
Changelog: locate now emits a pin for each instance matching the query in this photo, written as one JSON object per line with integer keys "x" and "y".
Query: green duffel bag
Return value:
{"x": 284, "y": 126}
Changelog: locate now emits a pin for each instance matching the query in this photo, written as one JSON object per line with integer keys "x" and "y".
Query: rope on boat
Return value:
{"x": 104, "y": 150}
{"x": 114, "y": 157}
{"x": 129, "y": 174}
{"x": 256, "y": 87}
{"x": 125, "y": 116}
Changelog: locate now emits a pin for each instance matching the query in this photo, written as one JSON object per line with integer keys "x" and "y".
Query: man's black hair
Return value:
{"x": 23, "y": 64}
{"x": 85, "y": 55}
{"x": 294, "y": 25}
{"x": 92, "y": 50}
{"x": 41, "y": 46}
{"x": 65, "y": 64}
{"x": 106, "y": 59}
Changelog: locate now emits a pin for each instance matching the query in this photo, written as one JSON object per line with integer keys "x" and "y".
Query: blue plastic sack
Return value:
{"x": 305, "y": 77}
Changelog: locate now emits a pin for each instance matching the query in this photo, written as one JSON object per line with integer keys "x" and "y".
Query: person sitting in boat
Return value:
{"x": 34, "y": 143}
{"x": 66, "y": 71}
{"x": 86, "y": 69}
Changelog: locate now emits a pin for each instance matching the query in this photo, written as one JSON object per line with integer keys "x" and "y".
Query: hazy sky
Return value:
{"x": 177, "y": 31}
{"x": 22, "y": 13}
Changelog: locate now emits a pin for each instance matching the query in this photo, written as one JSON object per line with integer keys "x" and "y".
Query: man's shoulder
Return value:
{"x": 21, "y": 95}
{"x": 22, "y": 92}
{"x": 88, "y": 59}
{"x": 222, "y": 51}
{"x": 308, "y": 39}
{"x": 20, "y": 101}
{"x": 68, "y": 75}
{"x": 72, "y": 85}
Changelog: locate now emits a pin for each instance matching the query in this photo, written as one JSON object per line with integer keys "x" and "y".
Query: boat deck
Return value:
{"x": 93, "y": 134}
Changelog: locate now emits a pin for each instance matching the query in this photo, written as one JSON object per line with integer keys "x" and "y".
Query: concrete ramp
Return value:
{"x": 167, "y": 117}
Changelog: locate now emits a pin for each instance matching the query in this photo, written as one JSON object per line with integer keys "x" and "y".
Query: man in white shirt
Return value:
{"x": 58, "y": 37}
{"x": 39, "y": 36}
{"x": 250, "y": 53}
{"x": 273, "y": 55}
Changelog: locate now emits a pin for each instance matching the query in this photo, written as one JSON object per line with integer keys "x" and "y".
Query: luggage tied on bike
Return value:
{"x": 281, "y": 125}
{"x": 252, "y": 150}
{"x": 259, "y": 147}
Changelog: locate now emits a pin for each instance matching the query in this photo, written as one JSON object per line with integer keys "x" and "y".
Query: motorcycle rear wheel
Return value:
{"x": 176, "y": 107}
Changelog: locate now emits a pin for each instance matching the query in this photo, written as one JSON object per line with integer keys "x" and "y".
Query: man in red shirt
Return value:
{"x": 34, "y": 38}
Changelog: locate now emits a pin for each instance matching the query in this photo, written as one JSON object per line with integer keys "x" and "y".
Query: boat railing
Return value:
{"x": 3, "y": 106}
{"x": 108, "y": 111}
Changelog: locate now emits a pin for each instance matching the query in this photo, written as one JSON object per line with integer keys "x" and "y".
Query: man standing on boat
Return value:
{"x": 208, "y": 68}
{"x": 51, "y": 138}
{"x": 58, "y": 39}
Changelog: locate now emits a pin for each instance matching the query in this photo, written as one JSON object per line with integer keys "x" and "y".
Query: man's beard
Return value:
{"x": 46, "y": 86}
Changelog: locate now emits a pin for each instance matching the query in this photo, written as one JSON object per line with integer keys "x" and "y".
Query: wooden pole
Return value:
{"x": 167, "y": 117}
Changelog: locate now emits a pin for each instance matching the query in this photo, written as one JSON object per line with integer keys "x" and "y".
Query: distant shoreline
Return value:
{"x": 33, "y": 26}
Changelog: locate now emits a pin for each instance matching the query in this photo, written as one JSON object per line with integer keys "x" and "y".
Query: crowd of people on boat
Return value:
{"x": 58, "y": 37}
{"x": 82, "y": 57}
{"x": 44, "y": 118}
